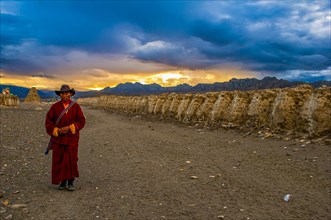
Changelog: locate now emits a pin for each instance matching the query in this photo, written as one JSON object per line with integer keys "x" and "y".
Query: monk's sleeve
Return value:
{"x": 50, "y": 122}
{"x": 80, "y": 119}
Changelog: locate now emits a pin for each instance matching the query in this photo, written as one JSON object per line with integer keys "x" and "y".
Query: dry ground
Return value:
{"x": 135, "y": 168}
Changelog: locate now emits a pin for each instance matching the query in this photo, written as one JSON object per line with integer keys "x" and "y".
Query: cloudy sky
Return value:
{"x": 94, "y": 44}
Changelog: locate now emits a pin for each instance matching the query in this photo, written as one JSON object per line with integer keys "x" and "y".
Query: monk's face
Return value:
{"x": 65, "y": 96}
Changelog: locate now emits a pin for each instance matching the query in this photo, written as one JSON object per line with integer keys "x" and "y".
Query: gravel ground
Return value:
{"x": 137, "y": 168}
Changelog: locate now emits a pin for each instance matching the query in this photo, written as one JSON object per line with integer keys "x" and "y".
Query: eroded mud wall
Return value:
{"x": 300, "y": 109}
{"x": 9, "y": 100}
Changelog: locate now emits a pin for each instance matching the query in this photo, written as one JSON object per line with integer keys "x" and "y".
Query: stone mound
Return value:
{"x": 32, "y": 96}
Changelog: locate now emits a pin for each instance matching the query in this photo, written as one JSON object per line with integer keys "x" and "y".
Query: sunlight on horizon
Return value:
{"x": 96, "y": 88}
{"x": 172, "y": 78}
{"x": 86, "y": 81}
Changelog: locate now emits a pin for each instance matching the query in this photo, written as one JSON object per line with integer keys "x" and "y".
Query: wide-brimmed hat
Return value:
{"x": 65, "y": 88}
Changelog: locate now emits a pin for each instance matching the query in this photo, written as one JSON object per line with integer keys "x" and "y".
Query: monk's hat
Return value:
{"x": 65, "y": 88}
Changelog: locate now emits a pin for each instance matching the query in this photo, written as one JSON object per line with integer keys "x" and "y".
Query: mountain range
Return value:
{"x": 22, "y": 92}
{"x": 137, "y": 89}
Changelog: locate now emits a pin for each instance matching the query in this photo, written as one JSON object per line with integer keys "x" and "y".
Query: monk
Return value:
{"x": 65, "y": 138}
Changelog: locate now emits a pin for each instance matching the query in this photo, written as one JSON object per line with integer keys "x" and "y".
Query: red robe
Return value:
{"x": 65, "y": 147}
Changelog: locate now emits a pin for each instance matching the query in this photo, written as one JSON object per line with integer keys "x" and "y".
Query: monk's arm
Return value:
{"x": 79, "y": 121}
{"x": 50, "y": 123}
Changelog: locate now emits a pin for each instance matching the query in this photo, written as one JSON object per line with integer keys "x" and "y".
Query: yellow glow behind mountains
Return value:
{"x": 89, "y": 80}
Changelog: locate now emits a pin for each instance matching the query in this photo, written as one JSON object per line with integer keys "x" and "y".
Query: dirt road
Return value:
{"x": 135, "y": 168}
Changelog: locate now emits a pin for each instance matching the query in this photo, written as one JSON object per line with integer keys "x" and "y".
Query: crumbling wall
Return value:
{"x": 9, "y": 100}
{"x": 301, "y": 109}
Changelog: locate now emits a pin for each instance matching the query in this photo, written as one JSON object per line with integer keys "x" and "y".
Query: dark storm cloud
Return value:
{"x": 14, "y": 29}
{"x": 20, "y": 66}
{"x": 84, "y": 24}
{"x": 266, "y": 36}
{"x": 43, "y": 75}
{"x": 219, "y": 34}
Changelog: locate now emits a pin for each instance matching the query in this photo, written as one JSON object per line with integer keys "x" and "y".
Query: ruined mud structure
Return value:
{"x": 9, "y": 100}
{"x": 33, "y": 96}
{"x": 302, "y": 109}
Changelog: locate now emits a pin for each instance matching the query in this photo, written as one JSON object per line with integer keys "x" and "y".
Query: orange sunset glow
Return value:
{"x": 95, "y": 82}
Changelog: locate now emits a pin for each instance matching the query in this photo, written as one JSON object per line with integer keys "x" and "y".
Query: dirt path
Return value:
{"x": 133, "y": 168}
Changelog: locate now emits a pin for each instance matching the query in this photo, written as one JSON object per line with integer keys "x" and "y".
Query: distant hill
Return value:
{"x": 22, "y": 92}
{"x": 138, "y": 89}
{"x": 233, "y": 84}
{"x": 134, "y": 89}
{"x": 246, "y": 84}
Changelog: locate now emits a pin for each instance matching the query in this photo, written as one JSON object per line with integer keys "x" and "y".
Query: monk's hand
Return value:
{"x": 64, "y": 130}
